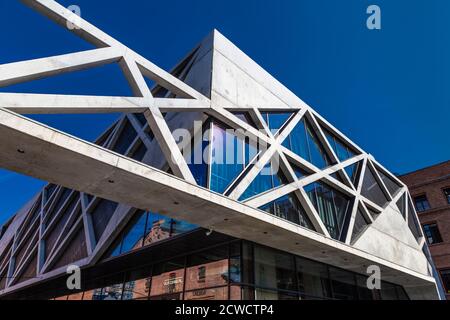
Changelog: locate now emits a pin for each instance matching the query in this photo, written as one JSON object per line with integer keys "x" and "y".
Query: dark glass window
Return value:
{"x": 353, "y": 172}
{"x": 388, "y": 291}
{"x": 289, "y": 208}
{"x": 146, "y": 228}
{"x": 269, "y": 178}
{"x": 245, "y": 116}
{"x": 126, "y": 137}
{"x": 413, "y": 223}
{"x": 304, "y": 142}
{"x": 343, "y": 284}
{"x": 198, "y": 159}
{"x": 333, "y": 207}
{"x": 364, "y": 293}
{"x": 74, "y": 252}
{"x": 235, "y": 262}
{"x": 422, "y": 203}
{"x": 137, "y": 285}
{"x": 134, "y": 234}
{"x": 445, "y": 276}
{"x": 447, "y": 194}
{"x": 139, "y": 151}
{"x": 179, "y": 227}
{"x": 432, "y": 233}
{"x": 113, "y": 292}
{"x": 390, "y": 184}
{"x": 168, "y": 279}
{"x": 361, "y": 223}
{"x": 230, "y": 154}
{"x": 402, "y": 206}
{"x": 274, "y": 270}
{"x": 207, "y": 269}
{"x": 313, "y": 279}
{"x": 158, "y": 228}
{"x": 275, "y": 120}
{"x": 342, "y": 151}
{"x": 372, "y": 190}
{"x": 101, "y": 215}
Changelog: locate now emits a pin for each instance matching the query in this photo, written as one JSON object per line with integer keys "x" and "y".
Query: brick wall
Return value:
{"x": 431, "y": 182}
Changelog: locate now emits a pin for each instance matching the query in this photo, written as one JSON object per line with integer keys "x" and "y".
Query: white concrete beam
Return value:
{"x": 24, "y": 71}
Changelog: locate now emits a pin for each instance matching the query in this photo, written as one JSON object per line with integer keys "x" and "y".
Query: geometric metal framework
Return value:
{"x": 335, "y": 188}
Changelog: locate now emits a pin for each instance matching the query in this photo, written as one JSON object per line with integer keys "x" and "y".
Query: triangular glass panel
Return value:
{"x": 22, "y": 253}
{"x": 194, "y": 144}
{"x": 269, "y": 178}
{"x": 390, "y": 184}
{"x": 276, "y": 120}
{"x": 372, "y": 190}
{"x": 338, "y": 175}
{"x": 245, "y": 117}
{"x": 106, "y": 80}
{"x": 289, "y": 208}
{"x": 3, "y": 279}
{"x": 361, "y": 223}
{"x": 230, "y": 156}
{"x": 131, "y": 238}
{"x": 334, "y": 208}
{"x": 299, "y": 172}
{"x": 101, "y": 215}
{"x": 353, "y": 172}
{"x": 374, "y": 214}
{"x": 31, "y": 35}
{"x": 413, "y": 224}
{"x": 342, "y": 150}
{"x": 304, "y": 142}
{"x": 30, "y": 270}
{"x": 401, "y": 206}
{"x": 74, "y": 251}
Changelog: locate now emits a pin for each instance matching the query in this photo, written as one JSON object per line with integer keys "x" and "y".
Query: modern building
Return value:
{"x": 303, "y": 214}
{"x": 430, "y": 190}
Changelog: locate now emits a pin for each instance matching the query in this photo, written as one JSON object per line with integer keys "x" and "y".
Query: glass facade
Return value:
{"x": 333, "y": 208}
{"x": 445, "y": 276}
{"x": 269, "y": 178}
{"x": 432, "y": 233}
{"x": 144, "y": 229}
{"x": 304, "y": 142}
{"x": 289, "y": 208}
{"x": 237, "y": 270}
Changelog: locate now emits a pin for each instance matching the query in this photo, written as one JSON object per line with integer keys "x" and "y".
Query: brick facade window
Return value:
{"x": 432, "y": 233}
{"x": 421, "y": 203}
{"x": 447, "y": 194}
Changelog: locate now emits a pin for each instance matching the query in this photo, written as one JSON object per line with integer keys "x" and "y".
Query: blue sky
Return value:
{"x": 387, "y": 90}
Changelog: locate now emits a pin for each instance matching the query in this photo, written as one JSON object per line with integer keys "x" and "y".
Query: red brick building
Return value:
{"x": 430, "y": 189}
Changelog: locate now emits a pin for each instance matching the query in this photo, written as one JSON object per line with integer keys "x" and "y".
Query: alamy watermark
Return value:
{"x": 374, "y": 19}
